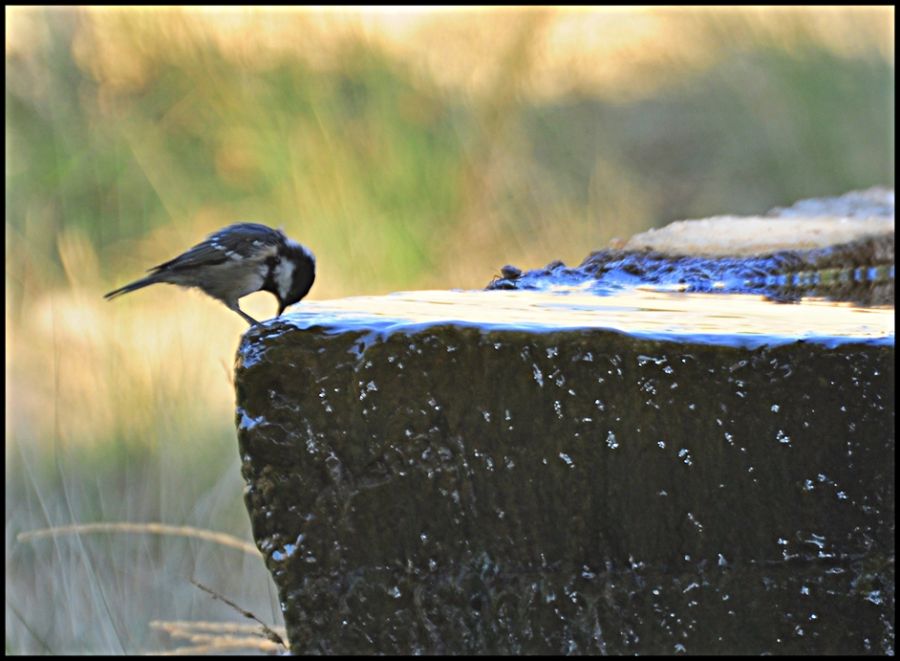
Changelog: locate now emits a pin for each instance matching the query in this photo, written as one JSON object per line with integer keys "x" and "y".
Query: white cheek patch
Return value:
{"x": 284, "y": 277}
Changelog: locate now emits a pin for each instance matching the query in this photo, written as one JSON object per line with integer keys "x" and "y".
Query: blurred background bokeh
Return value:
{"x": 410, "y": 149}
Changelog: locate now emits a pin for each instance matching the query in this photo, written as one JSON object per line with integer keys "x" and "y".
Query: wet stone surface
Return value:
{"x": 450, "y": 488}
{"x": 792, "y": 258}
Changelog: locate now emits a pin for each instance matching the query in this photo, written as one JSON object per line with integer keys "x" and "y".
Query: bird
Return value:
{"x": 235, "y": 261}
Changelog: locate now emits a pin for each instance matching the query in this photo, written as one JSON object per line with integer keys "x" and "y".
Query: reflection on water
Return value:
{"x": 734, "y": 319}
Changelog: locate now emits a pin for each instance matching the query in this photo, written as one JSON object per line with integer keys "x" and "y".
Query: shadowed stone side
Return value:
{"x": 456, "y": 489}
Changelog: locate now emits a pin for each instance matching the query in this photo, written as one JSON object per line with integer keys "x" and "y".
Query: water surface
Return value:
{"x": 729, "y": 319}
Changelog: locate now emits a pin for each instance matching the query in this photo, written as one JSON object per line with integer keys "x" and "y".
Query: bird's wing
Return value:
{"x": 238, "y": 241}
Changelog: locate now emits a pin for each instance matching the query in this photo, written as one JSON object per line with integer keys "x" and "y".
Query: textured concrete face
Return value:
{"x": 456, "y": 488}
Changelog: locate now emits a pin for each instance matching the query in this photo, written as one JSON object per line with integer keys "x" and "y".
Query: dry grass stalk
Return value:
{"x": 151, "y": 528}
{"x": 211, "y": 637}
{"x": 267, "y": 631}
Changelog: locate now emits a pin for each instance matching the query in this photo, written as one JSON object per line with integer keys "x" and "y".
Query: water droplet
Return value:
{"x": 775, "y": 408}
{"x": 566, "y": 458}
{"x": 817, "y": 540}
{"x": 875, "y": 597}
{"x": 611, "y": 440}
{"x": 537, "y": 375}
{"x": 696, "y": 523}
{"x": 249, "y": 423}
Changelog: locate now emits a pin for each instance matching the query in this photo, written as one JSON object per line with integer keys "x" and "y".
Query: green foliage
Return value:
{"x": 366, "y": 156}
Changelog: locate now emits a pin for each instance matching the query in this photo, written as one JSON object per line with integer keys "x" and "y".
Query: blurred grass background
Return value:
{"x": 409, "y": 150}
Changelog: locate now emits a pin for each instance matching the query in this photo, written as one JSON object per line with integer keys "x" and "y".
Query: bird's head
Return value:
{"x": 293, "y": 274}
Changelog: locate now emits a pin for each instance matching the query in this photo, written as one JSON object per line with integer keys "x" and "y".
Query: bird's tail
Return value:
{"x": 137, "y": 284}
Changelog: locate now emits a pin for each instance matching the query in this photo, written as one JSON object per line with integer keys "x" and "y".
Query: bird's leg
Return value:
{"x": 237, "y": 308}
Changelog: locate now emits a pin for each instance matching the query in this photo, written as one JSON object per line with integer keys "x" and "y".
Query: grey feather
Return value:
{"x": 237, "y": 240}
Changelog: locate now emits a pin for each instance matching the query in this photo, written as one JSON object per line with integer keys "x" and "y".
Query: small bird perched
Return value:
{"x": 235, "y": 261}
